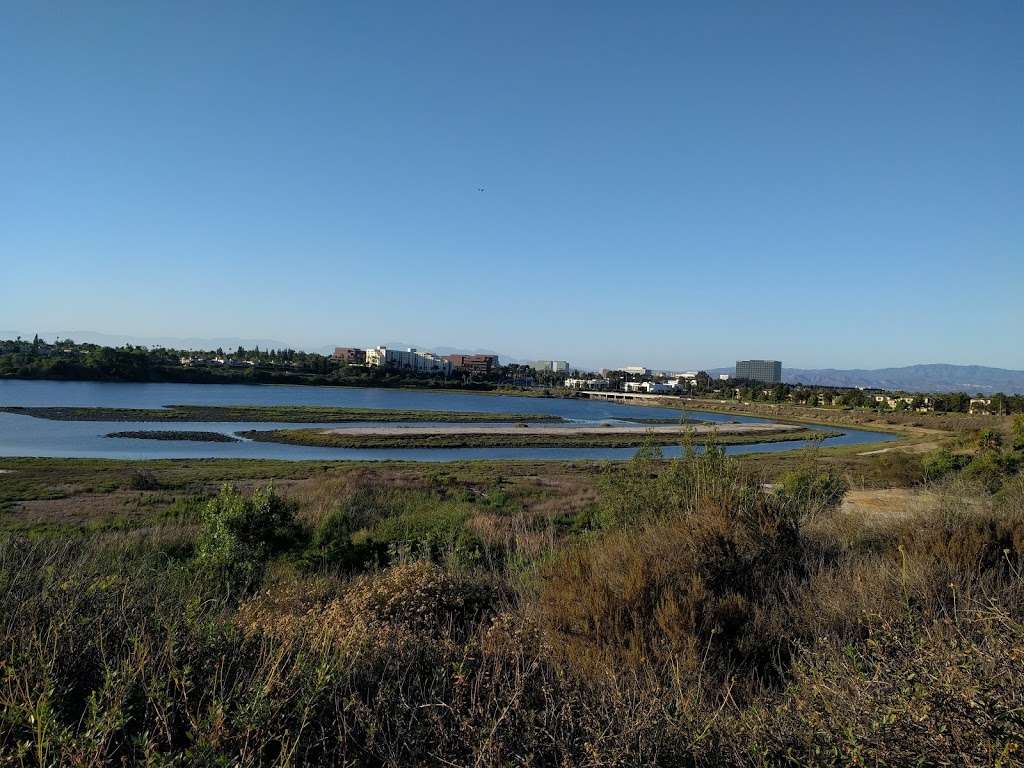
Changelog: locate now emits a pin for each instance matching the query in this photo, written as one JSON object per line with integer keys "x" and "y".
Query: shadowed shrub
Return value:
{"x": 332, "y": 547}
{"x": 142, "y": 480}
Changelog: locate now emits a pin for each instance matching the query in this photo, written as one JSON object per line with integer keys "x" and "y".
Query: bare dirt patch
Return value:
{"x": 888, "y": 504}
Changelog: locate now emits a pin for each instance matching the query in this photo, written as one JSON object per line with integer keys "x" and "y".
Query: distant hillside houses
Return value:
{"x": 918, "y": 403}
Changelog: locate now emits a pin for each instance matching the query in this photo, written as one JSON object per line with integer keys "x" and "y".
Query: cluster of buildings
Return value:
{"x": 412, "y": 359}
{"x": 902, "y": 401}
{"x": 639, "y": 378}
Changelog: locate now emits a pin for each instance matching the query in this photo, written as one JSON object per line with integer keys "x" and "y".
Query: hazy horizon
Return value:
{"x": 832, "y": 187}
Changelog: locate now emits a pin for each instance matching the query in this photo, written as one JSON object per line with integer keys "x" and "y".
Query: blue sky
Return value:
{"x": 833, "y": 185}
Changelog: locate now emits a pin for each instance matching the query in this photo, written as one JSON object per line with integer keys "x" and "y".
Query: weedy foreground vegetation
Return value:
{"x": 691, "y": 614}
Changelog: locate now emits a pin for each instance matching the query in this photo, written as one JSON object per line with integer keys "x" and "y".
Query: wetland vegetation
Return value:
{"x": 526, "y": 439}
{"x": 782, "y": 609}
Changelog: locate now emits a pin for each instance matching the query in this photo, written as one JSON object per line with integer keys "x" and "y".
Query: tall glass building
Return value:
{"x": 765, "y": 371}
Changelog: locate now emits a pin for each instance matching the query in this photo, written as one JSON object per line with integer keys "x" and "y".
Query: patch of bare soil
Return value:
{"x": 887, "y": 504}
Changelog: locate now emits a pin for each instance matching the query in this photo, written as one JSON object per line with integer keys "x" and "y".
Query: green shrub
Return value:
{"x": 240, "y": 533}
{"x": 332, "y": 545}
{"x": 989, "y": 469}
{"x": 647, "y": 488}
{"x": 942, "y": 462}
{"x": 897, "y": 468}
{"x": 429, "y": 526}
{"x": 810, "y": 490}
{"x": 185, "y": 510}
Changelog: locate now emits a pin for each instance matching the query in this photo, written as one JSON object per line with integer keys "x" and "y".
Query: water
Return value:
{"x": 28, "y": 436}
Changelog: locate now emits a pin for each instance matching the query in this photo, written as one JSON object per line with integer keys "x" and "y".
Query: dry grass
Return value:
{"x": 662, "y": 614}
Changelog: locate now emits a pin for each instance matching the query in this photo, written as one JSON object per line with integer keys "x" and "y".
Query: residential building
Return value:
{"x": 723, "y": 377}
{"x": 349, "y": 355}
{"x": 763, "y": 371}
{"x": 905, "y": 401}
{"x": 407, "y": 360}
{"x": 980, "y": 405}
{"x": 473, "y": 363}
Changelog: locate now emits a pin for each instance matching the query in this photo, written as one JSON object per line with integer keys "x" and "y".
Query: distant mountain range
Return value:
{"x": 938, "y": 377}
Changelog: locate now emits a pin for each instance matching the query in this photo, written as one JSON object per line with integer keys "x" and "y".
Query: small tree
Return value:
{"x": 810, "y": 490}
{"x": 240, "y": 533}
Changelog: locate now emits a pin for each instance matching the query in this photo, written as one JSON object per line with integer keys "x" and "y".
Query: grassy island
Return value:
{"x": 404, "y": 439}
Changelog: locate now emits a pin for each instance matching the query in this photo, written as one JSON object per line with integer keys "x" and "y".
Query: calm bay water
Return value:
{"x": 28, "y": 436}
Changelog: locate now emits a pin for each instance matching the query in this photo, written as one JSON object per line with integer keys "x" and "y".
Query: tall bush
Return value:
{"x": 240, "y": 533}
